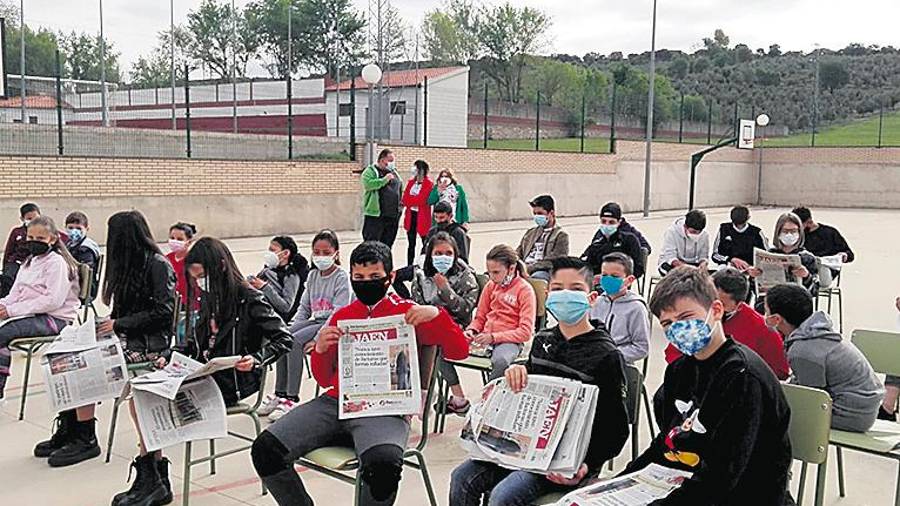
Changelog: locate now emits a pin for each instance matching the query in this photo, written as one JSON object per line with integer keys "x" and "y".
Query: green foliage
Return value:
{"x": 154, "y": 69}
{"x": 40, "y": 51}
{"x": 450, "y": 32}
{"x": 833, "y": 74}
{"x": 82, "y": 53}
{"x": 332, "y": 35}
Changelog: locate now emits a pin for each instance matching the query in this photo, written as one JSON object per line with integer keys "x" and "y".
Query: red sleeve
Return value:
{"x": 771, "y": 349}
{"x": 10, "y": 240}
{"x": 324, "y": 365}
{"x": 444, "y": 332}
{"x": 407, "y": 197}
{"x": 422, "y": 198}
{"x": 672, "y": 354}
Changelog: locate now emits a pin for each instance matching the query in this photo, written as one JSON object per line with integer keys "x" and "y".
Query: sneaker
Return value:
{"x": 268, "y": 405}
{"x": 884, "y": 414}
{"x": 284, "y": 407}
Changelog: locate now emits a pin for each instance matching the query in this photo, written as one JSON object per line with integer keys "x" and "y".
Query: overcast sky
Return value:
{"x": 579, "y": 26}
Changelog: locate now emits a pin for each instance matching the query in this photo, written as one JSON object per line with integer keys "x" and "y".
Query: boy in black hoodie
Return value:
{"x": 574, "y": 350}
{"x": 724, "y": 415}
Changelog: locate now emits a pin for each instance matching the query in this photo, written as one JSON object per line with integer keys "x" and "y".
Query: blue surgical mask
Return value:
{"x": 611, "y": 285}
{"x": 568, "y": 306}
{"x": 442, "y": 263}
{"x": 690, "y": 336}
{"x": 75, "y": 235}
{"x": 540, "y": 220}
{"x": 608, "y": 230}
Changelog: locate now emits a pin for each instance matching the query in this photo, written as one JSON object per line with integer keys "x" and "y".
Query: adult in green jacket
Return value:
{"x": 381, "y": 200}
{"x": 448, "y": 190}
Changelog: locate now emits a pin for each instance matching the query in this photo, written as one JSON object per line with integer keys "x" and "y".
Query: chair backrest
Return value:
{"x": 634, "y": 382}
{"x": 540, "y": 293}
{"x": 482, "y": 280}
{"x": 881, "y": 349}
{"x": 810, "y": 425}
{"x": 85, "y": 282}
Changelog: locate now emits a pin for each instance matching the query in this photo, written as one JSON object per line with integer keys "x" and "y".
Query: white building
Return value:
{"x": 424, "y": 106}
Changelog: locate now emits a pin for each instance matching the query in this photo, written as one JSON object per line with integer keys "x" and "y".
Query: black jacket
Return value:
{"x": 456, "y": 231}
{"x": 733, "y": 244}
{"x": 620, "y": 241}
{"x": 725, "y": 419}
{"x": 144, "y": 313}
{"x": 826, "y": 241}
{"x": 624, "y": 226}
{"x": 256, "y": 330}
{"x": 594, "y": 359}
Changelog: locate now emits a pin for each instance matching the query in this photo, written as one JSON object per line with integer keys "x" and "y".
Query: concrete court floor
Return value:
{"x": 871, "y": 284}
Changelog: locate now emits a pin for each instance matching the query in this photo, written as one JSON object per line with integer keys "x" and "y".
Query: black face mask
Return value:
{"x": 371, "y": 291}
{"x": 37, "y": 248}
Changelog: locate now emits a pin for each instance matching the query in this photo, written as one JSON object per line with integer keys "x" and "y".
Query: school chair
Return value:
{"x": 809, "y": 430}
{"x": 882, "y": 350}
{"x": 830, "y": 292}
{"x": 31, "y": 345}
{"x": 341, "y": 462}
{"x": 87, "y": 299}
{"x": 634, "y": 385}
{"x": 642, "y": 281}
{"x": 654, "y": 280}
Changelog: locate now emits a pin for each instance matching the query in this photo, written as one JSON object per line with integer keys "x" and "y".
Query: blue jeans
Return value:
{"x": 504, "y": 487}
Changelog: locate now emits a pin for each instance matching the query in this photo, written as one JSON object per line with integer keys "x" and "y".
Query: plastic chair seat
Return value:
{"x": 338, "y": 458}
{"x": 480, "y": 363}
{"x": 883, "y": 438}
{"x": 20, "y": 343}
{"x": 240, "y": 408}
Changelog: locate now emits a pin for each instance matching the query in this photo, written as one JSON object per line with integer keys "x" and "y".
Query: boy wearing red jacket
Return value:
{"x": 380, "y": 440}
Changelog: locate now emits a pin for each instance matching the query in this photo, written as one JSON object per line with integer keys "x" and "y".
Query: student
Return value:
{"x": 83, "y": 249}
{"x": 447, "y": 281}
{"x": 450, "y": 191}
{"x": 888, "y": 409}
{"x": 574, "y": 350}
{"x": 282, "y": 282}
{"x": 235, "y": 320}
{"x": 545, "y": 241}
{"x": 181, "y": 236}
{"x": 685, "y": 242}
{"x": 789, "y": 239}
{"x": 15, "y": 253}
{"x": 417, "y": 218}
{"x": 724, "y": 417}
{"x": 824, "y": 241}
{"x": 737, "y": 239}
{"x": 444, "y": 222}
{"x": 623, "y": 312}
{"x": 381, "y": 199}
{"x": 613, "y": 209}
{"x": 610, "y": 238}
{"x": 44, "y": 297}
{"x": 820, "y": 358}
{"x": 743, "y": 324}
{"x": 379, "y": 441}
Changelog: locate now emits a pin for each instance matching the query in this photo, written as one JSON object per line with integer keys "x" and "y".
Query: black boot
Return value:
{"x": 80, "y": 447}
{"x": 63, "y": 433}
{"x": 147, "y": 488}
{"x": 884, "y": 414}
{"x": 162, "y": 467}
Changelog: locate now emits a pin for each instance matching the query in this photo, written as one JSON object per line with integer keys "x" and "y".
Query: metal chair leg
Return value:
{"x": 649, "y": 410}
{"x": 112, "y": 429}
{"x": 186, "y": 486}
{"x": 258, "y": 428}
{"x": 821, "y": 473}
{"x": 635, "y": 444}
{"x": 28, "y": 356}
{"x": 840, "y": 466}
{"x": 840, "y": 305}
{"x": 212, "y": 453}
{"x": 897, "y": 492}
{"x": 426, "y": 478}
{"x": 802, "y": 487}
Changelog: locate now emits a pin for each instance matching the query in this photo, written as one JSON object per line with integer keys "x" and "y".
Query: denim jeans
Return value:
{"x": 504, "y": 487}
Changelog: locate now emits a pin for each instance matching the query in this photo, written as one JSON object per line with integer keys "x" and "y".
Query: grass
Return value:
{"x": 862, "y": 132}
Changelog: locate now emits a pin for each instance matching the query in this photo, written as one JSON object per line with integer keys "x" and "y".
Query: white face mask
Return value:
{"x": 203, "y": 284}
{"x": 270, "y": 259}
{"x": 445, "y": 181}
{"x": 323, "y": 263}
{"x": 789, "y": 238}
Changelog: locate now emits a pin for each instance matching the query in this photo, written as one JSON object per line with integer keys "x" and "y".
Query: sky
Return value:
{"x": 579, "y": 26}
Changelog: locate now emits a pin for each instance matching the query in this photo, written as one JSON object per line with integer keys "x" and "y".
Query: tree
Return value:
{"x": 269, "y": 19}
{"x": 679, "y": 68}
{"x": 742, "y": 53}
{"x": 774, "y": 50}
{"x": 695, "y": 108}
{"x": 332, "y": 35}
{"x": 82, "y": 52}
{"x": 394, "y": 42}
{"x": 220, "y": 37}
{"x": 508, "y": 34}
{"x": 700, "y": 65}
{"x": 718, "y": 42}
{"x": 154, "y": 69}
{"x": 40, "y": 51}
{"x": 833, "y": 75}
{"x": 450, "y": 32}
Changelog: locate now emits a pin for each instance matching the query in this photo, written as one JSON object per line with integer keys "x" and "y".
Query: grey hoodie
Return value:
{"x": 820, "y": 358}
{"x": 678, "y": 246}
{"x": 627, "y": 321}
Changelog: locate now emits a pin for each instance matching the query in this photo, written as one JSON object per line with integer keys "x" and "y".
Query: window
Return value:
{"x": 346, "y": 109}
{"x": 398, "y": 108}
{"x": 32, "y": 120}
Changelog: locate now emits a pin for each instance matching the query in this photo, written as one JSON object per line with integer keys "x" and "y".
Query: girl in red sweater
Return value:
{"x": 417, "y": 220}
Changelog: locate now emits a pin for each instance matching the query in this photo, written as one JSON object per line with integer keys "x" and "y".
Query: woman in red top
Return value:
{"x": 418, "y": 212}
{"x": 181, "y": 235}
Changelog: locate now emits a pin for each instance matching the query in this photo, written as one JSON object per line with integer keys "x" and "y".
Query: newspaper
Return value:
{"x": 636, "y": 489}
{"x": 379, "y": 368}
{"x": 544, "y": 428}
{"x": 776, "y": 269}
{"x": 196, "y": 412}
{"x": 166, "y": 382}
{"x": 79, "y": 369}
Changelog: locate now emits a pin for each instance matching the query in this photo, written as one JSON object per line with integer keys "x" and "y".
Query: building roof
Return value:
{"x": 31, "y": 102}
{"x": 400, "y": 78}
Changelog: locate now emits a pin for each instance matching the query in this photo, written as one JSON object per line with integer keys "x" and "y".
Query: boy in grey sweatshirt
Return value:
{"x": 820, "y": 358}
{"x": 623, "y": 312}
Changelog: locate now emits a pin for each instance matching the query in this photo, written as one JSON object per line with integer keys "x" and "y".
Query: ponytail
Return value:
{"x": 507, "y": 256}
{"x": 58, "y": 246}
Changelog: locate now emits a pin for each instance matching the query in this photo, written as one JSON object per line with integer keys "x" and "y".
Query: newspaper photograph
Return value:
{"x": 636, "y": 489}
{"x": 379, "y": 368}
{"x": 522, "y": 430}
{"x": 195, "y": 412}
{"x": 776, "y": 268}
{"x": 79, "y": 369}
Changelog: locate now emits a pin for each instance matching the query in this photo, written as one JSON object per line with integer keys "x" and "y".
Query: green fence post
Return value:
{"x": 485, "y": 126}
{"x": 709, "y": 124}
{"x": 880, "y": 123}
{"x": 537, "y": 126}
{"x": 353, "y": 115}
{"x": 612, "y": 120}
{"x": 59, "y": 113}
{"x": 681, "y": 119}
{"x": 187, "y": 110}
{"x": 582, "y": 121}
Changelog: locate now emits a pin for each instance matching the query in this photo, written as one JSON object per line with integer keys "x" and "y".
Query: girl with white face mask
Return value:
{"x": 788, "y": 240}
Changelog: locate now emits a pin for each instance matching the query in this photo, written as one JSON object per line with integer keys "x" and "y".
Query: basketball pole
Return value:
{"x": 651, "y": 85}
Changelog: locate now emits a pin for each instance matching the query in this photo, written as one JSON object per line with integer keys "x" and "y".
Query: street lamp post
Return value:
{"x": 22, "y": 57}
{"x": 649, "y": 141}
{"x": 104, "y": 106}
{"x": 815, "y": 123}
{"x": 761, "y": 121}
{"x": 371, "y": 74}
{"x": 172, "y": 58}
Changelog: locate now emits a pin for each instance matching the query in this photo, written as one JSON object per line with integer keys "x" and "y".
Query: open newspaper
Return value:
{"x": 180, "y": 402}
{"x": 544, "y": 428}
{"x": 79, "y": 369}
{"x": 776, "y": 268}
{"x": 379, "y": 368}
{"x": 636, "y": 489}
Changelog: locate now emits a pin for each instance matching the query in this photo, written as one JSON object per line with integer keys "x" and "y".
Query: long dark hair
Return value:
{"x": 296, "y": 262}
{"x": 129, "y": 243}
{"x": 225, "y": 281}
{"x": 58, "y": 246}
{"x": 440, "y": 238}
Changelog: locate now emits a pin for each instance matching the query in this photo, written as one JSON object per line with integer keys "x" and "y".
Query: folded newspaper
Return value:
{"x": 635, "y": 489}
{"x": 180, "y": 402}
{"x": 79, "y": 369}
{"x": 545, "y": 428}
{"x": 776, "y": 269}
{"x": 379, "y": 368}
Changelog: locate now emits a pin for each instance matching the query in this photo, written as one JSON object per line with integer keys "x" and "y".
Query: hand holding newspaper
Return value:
{"x": 776, "y": 269}
{"x": 79, "y": 369}
{"x": 379, "y": 368}
{"x": 636, "y": 489}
